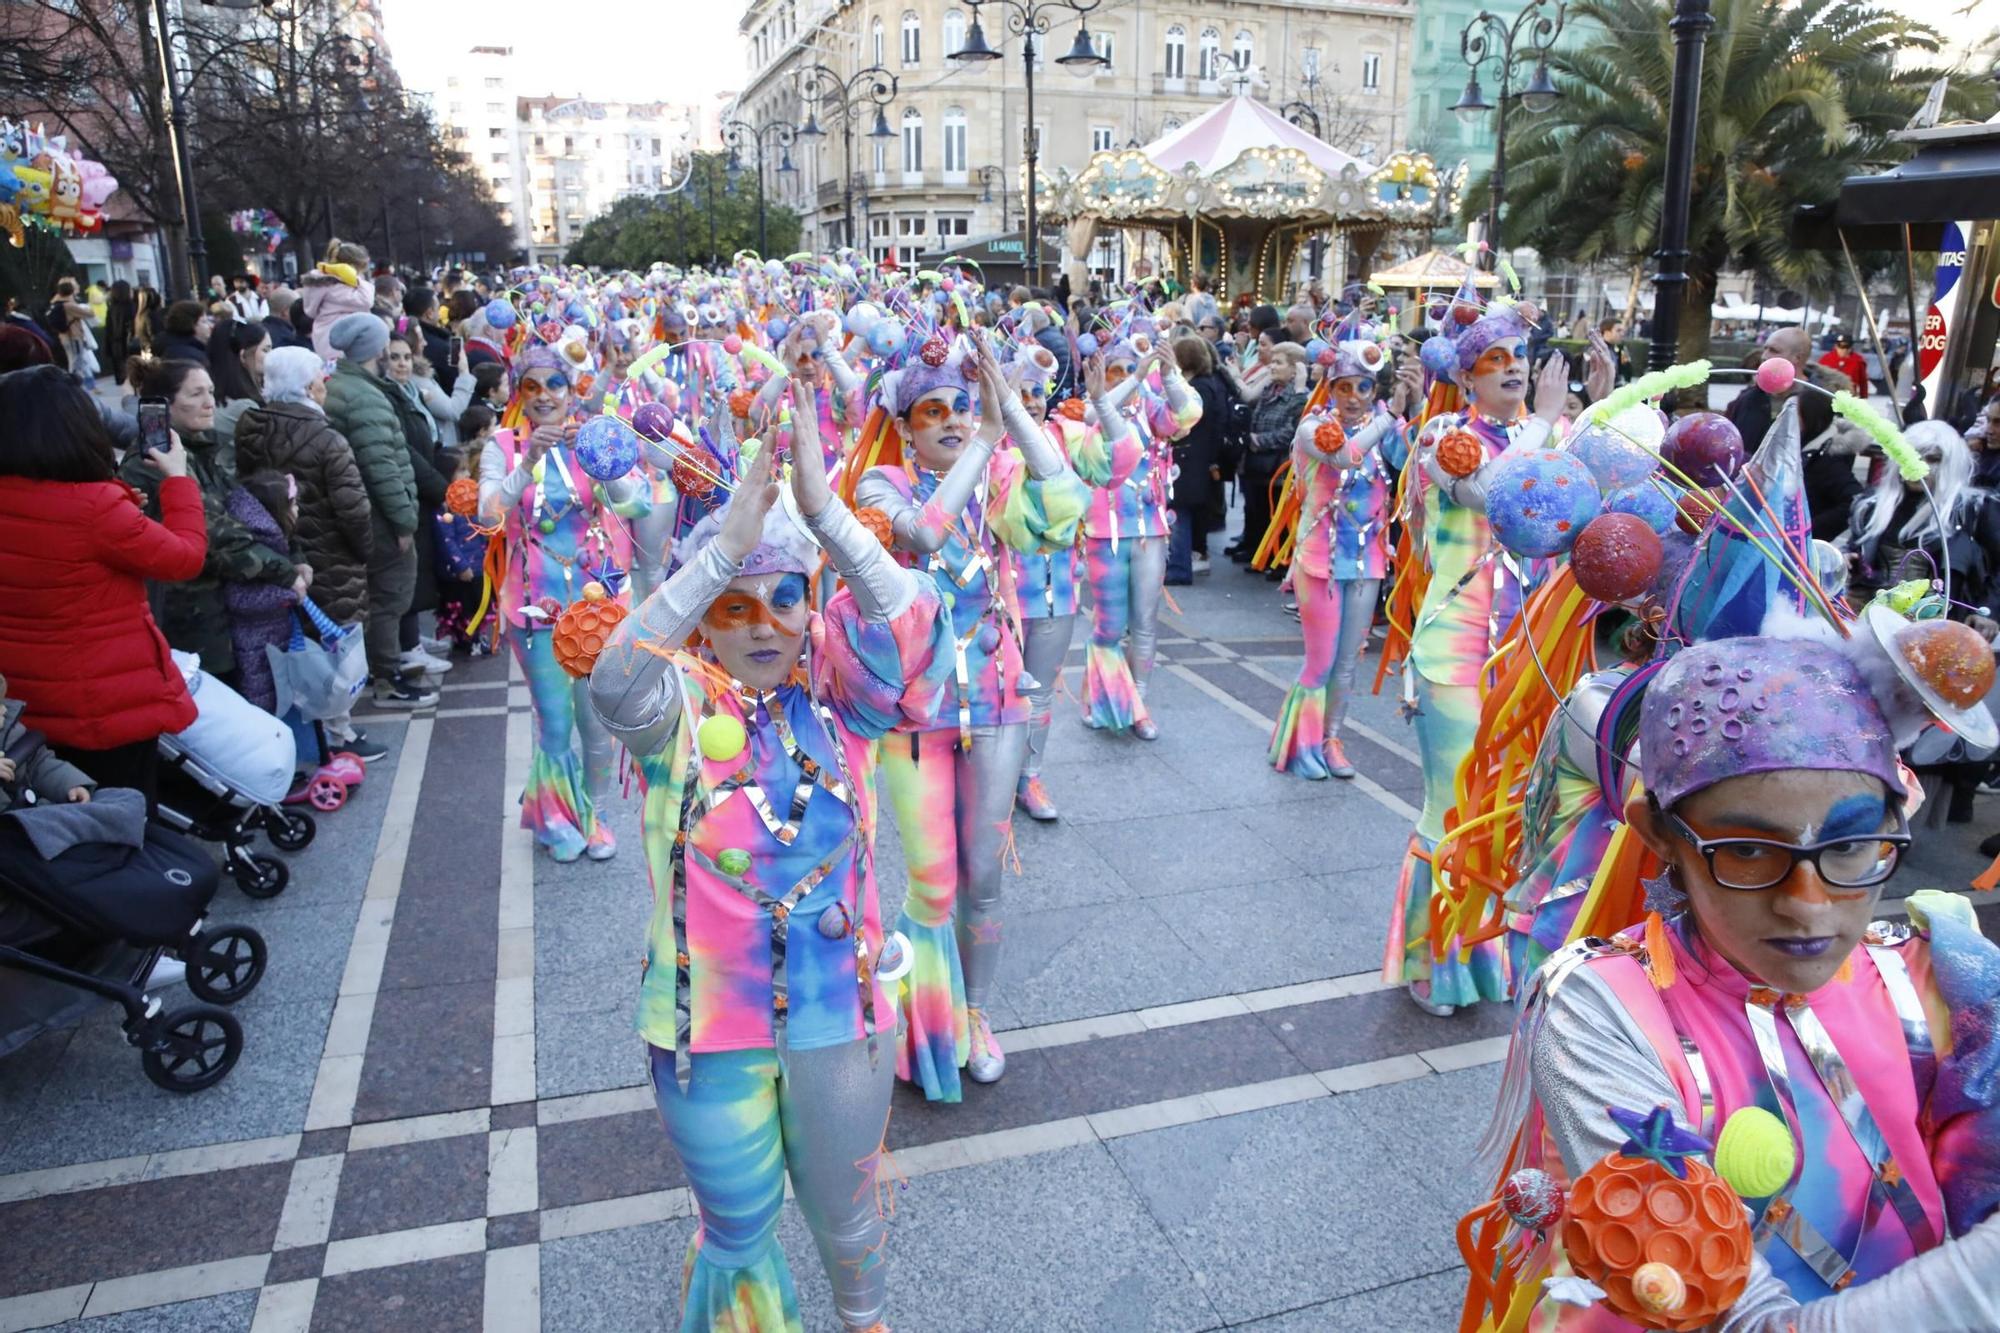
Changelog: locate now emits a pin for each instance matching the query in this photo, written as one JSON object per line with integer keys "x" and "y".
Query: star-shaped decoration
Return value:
{"x": 1892, "y": 1175}
{"x": 1577, "y": 1291}
{"x": 1663, "y": 895}
{"x": 1655, "y": 1136}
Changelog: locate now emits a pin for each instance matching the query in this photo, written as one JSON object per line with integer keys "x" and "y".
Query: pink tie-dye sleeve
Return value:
{"x": 1965, "y": 1098}
{"x": 877, "y": 674}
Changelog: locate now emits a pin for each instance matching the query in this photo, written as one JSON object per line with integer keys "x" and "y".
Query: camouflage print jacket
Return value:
{"x": 192, "y": 614}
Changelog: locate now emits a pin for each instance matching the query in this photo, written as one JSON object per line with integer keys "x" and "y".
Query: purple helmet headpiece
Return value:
{"x": 903, "y": 387}
{"x": 1729, "y": 707}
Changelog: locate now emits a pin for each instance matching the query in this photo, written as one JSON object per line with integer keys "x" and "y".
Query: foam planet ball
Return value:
{"x": 733, "y": 344}
{"x": 1775, "y": 375}
{"x": 1615, "y": 557}
{"x": 653, "y": 420}
{"x": 606, "y": 448}
{"x": 1704, "y": 445}
{"x": 1087, "y": 344}
{"x": 1642, "y": 424}
{"x": 1616, "y": 461}
{"x": 1439, "y": 356}
{"x": 1539, "y": 501}
{"x": 777, "y": 328}
{"x": 1314, "y": 347}
{"x": 1531, "y": 1198}
{"x": 884, "y": 337}
{"x": 721, "y": 738}
{"x": 1950, "y": 657}
{"x": 499, "y": 314}
{"x": 1645, "y": 501}
{"x": 1755, "y": 1154}
{"x": 862, "y": 317}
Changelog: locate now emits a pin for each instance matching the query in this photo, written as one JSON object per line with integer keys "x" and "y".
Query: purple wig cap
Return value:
{"x": 902, "y": 388}
{"x": 1731, "y": 707}
{"x": 538, "y": 355}
{"x": 784, "y": 547}
{"x": 1483, "y": 332}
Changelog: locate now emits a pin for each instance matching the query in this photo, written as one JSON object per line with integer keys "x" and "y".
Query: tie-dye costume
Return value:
{"x": 1473, "y": 596}
{"x": 1338, "y": 562}
{"x": 1885, "y": 1075}
{"x": 758, "y": 998}
{"x": 951, "y": 781}
{"x": 562, "y": 530}
{"x": 1128, "y": 461}
{"x": 1047, "y": 583}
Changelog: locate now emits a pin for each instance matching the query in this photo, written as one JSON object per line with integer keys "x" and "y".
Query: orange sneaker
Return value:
{"x": 1336, "y": 758}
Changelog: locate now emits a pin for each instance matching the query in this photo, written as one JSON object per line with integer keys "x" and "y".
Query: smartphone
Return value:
{"x": 457, "y": 348}
{"x": 154, "y": 432}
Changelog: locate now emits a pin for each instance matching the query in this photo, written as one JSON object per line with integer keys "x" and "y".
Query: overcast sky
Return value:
{"x": 616, "y": 50}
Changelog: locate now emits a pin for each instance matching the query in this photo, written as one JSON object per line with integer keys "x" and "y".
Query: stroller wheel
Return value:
{"x": 290, "y": 830}
{"x": 191, "y": 1049}
{"x": 326, "y": 792}
{"x": 225, "y": 964}
{"x": 260, "y": 876}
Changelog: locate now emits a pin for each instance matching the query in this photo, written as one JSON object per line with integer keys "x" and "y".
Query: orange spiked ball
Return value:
{"x": 877, "y": 522}
{"x": 1072, "y": 408}
{"x": 462, "y": 497}
{"x": 1328, "y": 437}
{"x": 1460, "y": 453}
{"x": 1669, "y": 1253}
{"x": 739, "y": 402}
{"x": 584, "y": 628}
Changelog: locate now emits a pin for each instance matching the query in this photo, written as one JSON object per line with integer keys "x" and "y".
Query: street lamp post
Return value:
{"x": 741, "y": 133}
{"x": 1029, "y": 19}
{"x": 1690, "y": 25}
{"x": 873, "y": 86}
{"x": 194, "y": 253}
{"x": 1475, "y": 43}
{"x": 988, "y": 174}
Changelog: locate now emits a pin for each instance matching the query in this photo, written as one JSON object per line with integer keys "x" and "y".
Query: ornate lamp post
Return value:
{"x": 1481, "y": 37}
{"x": 873, "y": 86}
{"x": 1690, "y": 25}
{"x": 739, "y": 134}
{"x": 1029, "y": 19}
{"x": 988, "y": 175}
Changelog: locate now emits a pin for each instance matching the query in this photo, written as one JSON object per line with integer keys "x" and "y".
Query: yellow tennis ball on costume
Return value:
{"x": 1755, "y": 1154}
{"x": 721, "y": 738}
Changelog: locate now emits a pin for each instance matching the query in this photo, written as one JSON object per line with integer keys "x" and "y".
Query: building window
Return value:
{"x": 1169, "y": 125}
{"x": 495, "y": 109}
{"x": 954, "y": 33}
{"x": 1176, "y": 66}
{"x": 1245, "y": 48}
{"x": 656, "y": 148}
{"x": 875, "y": 36}
{"x": 499, "y": 157}
{"x": 1309, "y": 62}
{"x": 953, "y": 227}
{"x": 913, "y": 37}
{"x": 913, "y": 141}
{"x": 1101, "y": 43}
{"x": 954, "y": 141}
{"x": 1210, "y": 57}
{"x": 1101, "y": 137}
{"x": 496, "y": 132}
{"x": 495, "y": 83}
{"x": 1371, "y": 73}
{"x": 881, "y": 155}
{"x": 910, "y": 237}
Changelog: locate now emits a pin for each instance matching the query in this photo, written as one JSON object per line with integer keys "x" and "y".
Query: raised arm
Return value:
{"x": 882, "y": 588}
{"x": 922, "y": 528}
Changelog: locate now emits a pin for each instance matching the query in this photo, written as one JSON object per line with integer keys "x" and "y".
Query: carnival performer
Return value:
{"x": 769, "y": 1028}
{"x": 1128, "y": 461}
{"x": 953, "y": 499}
{"x": 1345, "y": 458}
{"x": 1860, "y": 1059}
{"x": 559, "y": 531}
{"x": 1473, "y": 595}
{"x": 1047, "y": 583}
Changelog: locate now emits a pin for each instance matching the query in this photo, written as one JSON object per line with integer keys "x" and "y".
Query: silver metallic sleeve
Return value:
{"x": 906, "y": 517}
{"x": 632, "y": 685}
{"x": 845, "y": 377}
{"x": 1176, "y": 387}
{"x": 1111, "y": 423}
{"x": 882, "y": 588}
{"x": 1044, "y": 460}
{"x": 1125, "y": 388}
{"x": 500, "y": 489}
{"x": 1954, "y": 1288}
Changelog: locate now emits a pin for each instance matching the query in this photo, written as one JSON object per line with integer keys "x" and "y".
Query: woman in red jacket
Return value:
{"x": 78, "y": 645}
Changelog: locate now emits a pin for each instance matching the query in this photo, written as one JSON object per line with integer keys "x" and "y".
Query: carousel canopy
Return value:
{"x": 1214, "y": 140}
{"x": 1242, "y": 160}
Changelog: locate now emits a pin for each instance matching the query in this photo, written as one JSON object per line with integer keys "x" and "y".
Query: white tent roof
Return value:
{"x": 1216, "y": 138}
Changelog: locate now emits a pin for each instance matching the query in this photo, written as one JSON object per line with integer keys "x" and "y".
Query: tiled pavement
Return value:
{"x": 1214, "y": 1116}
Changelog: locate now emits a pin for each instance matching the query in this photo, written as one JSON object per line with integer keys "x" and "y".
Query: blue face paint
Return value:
{"x": 791, "y": 590}
{"x": 1853, "y": 816}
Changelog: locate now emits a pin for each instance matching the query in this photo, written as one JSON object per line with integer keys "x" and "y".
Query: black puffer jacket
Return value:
{"x": 433, "y": 473}
{"x": 333, "y": 534}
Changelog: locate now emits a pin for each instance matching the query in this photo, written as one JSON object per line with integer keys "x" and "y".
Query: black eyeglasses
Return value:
{"x": 1753, "y": 864}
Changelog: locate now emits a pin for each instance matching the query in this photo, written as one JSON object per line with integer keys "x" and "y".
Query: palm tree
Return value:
{"x": 1795, "y": 96}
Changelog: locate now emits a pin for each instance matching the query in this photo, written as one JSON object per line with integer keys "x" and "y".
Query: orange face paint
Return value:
{"x": 932, "y": 412}
{"x": 534, "y": 383}
{"x": 1353, "y": 393}
{"x": 1499, "y": 357}
{"x": 737, "y": 609}
{"x": 1116, "y": 374}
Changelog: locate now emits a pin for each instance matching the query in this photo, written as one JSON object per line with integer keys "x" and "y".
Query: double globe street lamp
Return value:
{"x": 739, "y": 134}
{"x": 1488, "y": 34}
{"x": 873, "y": 86}
{"x": 1029, "y": 19}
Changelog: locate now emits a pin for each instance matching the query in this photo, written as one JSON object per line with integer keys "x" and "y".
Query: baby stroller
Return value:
{"x": 93, "y": 921}
{"x": 224, "y": 778}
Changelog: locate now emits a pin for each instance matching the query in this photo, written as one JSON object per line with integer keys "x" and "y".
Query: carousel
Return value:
{"x": 1240, "y": 192}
